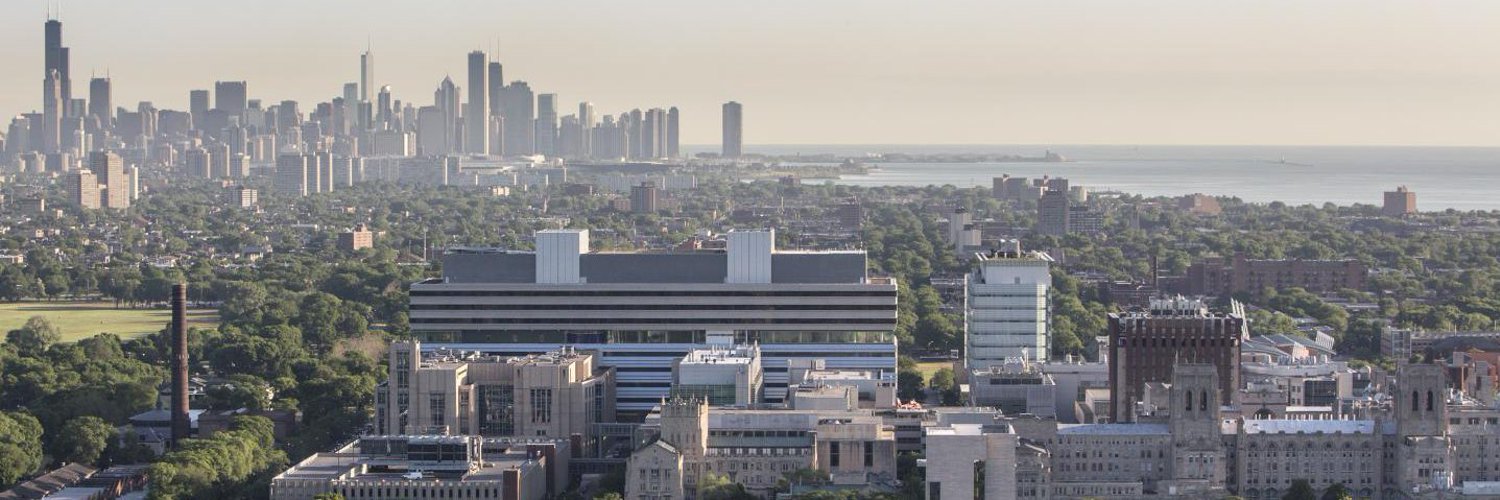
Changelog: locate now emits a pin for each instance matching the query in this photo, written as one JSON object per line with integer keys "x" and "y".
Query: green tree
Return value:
{"x": 1301, "y": 490}
{"x": 33, "y": 338}
{"x": 328, "y": 496}
{"x": 82, "y": 440}
{"x": 608, "y": 495}
{"x": 1337, "y": 492}
{"x": 20, "y": 446}
{"x": 909, "y": 380}
{"x": 717, "y": 487}
{"x": 943, "y": 380}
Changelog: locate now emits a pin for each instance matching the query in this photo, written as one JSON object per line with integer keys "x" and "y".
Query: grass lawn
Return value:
{"x": 932, "y": 367}
{"x": 79, "y": 320}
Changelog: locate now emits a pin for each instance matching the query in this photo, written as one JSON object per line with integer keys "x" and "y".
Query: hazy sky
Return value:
{"x": 837, "y": 71}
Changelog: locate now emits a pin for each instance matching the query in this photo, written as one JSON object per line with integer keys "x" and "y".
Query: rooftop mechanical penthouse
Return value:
{"x": 642, "y": 311}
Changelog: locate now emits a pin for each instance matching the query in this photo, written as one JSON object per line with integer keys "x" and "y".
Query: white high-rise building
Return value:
{"x": 1007, "y": 313}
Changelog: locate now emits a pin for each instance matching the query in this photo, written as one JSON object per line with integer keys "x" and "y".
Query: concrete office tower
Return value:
{"x": 446, "y": 99}
{"x": 1399, "y": 203}
{"x": 101, "y": 102}
{"x": 345, "y": 171}
{"x": 239, "y": 165}
{"x": 477, "y": 114}
{"x": 384, "y": 109}
{"x": 654, "y": 134}
{"x": 218, "y": 160}
{"x": 366, "y": 75}
{"x": 643, "y": 198}
{"x": 643, "y": 318}
{"x": 109, "y": 170}
{"x": 320, "y": 172}
{"x": 350, "y": 111}
{"x": 52, "y": 103}
{"x": 198, "y": 106}
{"x": 1052, "y": 213}
{"x": 134, "y": 175}
{"x": 83, "y": 189}
{"x": 496, "y": 81}
{"x": 245, "y": 197}
{"x": 638, "y": 140}
{"x": 432, "y": 132}
{"x": 289, "y": 119}
{"x": 546, "y": 124}
{"x": 569, "y": 137}
{"x": 1007, "y": 312}
{"x": 199, "y": 163}
{"x": 291, "y": 174}
{"x": 1144, "y": 345}
{"x": 520, "y": 110}
{"x": 674, "y": 136}
{"x": 734, "y": 132}
{"x": 956, "y": 222}
{"x": 586, "y": 123}
{"x": 55, "y": 59}
{"x": 231, "y": 97}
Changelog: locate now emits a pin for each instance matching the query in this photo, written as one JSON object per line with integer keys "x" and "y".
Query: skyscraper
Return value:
{"x": 1008, "y": 311}
{"x": 109, "y": 170}
{"x": 674, "y": 143}
{"x": 433, "y": 128}
{"x": 366, "y": 75}
{"x": 101, "y": 102}
{"x": 55, "y": 58}
{"x": 52, "y": 104}
{"x": 733, "y": 130}
{"x": 586, "y": 122}
{"x": 291, "y": 174}
{"x": 198, "y": 106}
{"x": 83, "y": 189}
{"x": 231, "y": 97}
{"x": 546, "y": 124}
{"x": 520, "y": 109}
{"x": 384, "y": 109}
{"x": 477, "y": 114}
{"x": 496, "y": 80}
{"x": 1052, "y": 213}
{"x": 654, "y": 134}
{"x": 446, "y": 99}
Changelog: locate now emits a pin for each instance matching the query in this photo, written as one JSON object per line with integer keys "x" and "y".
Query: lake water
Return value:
{"x": 1442, "y": 177}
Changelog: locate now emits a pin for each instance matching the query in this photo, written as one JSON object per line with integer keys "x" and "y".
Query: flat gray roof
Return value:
{"x": 694, "y": 267}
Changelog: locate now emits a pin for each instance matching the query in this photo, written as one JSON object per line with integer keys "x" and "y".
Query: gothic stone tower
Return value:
{"x": 1198, "y": 459}
{"x": 1423, "y": 451}
{"x": 684, "y": 425}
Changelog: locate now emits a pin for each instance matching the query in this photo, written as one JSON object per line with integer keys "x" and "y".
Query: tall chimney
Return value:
{"x": 180, "y": 423}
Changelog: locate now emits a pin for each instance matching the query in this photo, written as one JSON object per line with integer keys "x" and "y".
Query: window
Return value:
{"x": 437, "y": 408}
{"x": 497, "y": 406}
{"x": 541, "y": 406}
{"x": 869, "y": 454}
{"x": 833, "y": 454}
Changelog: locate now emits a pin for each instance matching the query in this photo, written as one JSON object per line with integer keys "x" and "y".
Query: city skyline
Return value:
{"x": 1398, "y": 72}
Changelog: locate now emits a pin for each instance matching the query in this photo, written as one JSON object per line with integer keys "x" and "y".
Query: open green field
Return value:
{"x": 79, "y": 320}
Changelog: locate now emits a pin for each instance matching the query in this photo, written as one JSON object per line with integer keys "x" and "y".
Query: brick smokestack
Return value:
{"x": 180, "y": 423}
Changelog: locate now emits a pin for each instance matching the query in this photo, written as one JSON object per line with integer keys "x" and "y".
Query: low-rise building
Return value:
{"x": 558, "y": 395}
{"x": 723, "y": 375}
{"x": 401, "y": 467}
